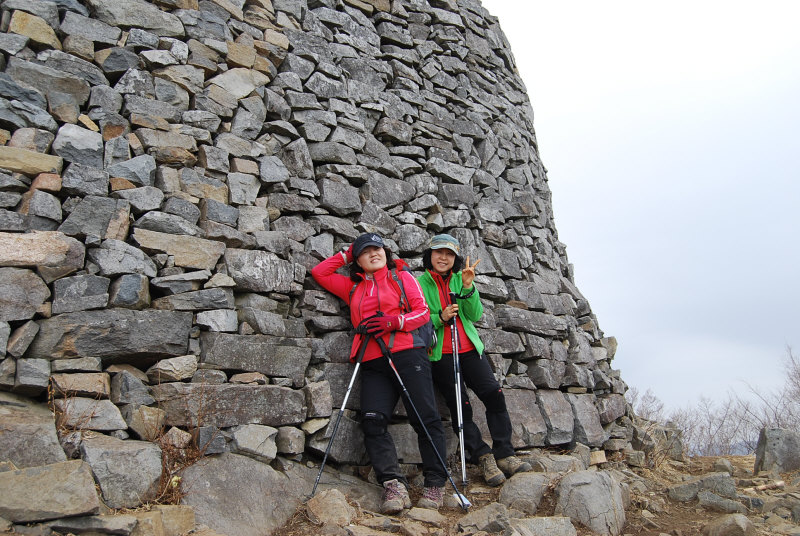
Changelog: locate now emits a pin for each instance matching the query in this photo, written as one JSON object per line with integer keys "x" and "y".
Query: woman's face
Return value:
{"x": 442, "y": 260}
{"x": 372, "y": 259}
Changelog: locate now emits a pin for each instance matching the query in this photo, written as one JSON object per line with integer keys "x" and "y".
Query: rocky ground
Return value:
{"x": 657, "y": 504}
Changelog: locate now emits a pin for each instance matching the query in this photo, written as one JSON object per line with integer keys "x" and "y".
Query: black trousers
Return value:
{"x": 379, "y": 393}
{"x": 477, "y": 374}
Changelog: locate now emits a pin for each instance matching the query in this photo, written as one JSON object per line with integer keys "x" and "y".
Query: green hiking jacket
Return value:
{"x": 469, "y": 310}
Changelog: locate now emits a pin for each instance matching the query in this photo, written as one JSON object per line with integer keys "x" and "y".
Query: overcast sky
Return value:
{"x": 671, "y": 135}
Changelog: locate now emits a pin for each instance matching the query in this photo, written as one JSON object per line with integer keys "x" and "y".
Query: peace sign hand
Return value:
{"x": 468, "y": 274}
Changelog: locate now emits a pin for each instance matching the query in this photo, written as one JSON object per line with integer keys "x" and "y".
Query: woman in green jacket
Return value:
{"x": 445, "y": 273}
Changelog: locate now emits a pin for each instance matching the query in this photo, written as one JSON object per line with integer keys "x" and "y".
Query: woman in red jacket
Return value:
{"x": 371, "y": 289}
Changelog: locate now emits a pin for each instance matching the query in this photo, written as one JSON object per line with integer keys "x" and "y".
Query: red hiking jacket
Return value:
{"x": 377, "y": 293}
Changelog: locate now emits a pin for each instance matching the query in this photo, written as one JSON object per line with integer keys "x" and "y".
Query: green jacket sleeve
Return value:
{"x": 471, "y": 308}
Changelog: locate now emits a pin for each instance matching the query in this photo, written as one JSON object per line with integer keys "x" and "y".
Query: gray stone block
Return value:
{"x": 79, "y": 293}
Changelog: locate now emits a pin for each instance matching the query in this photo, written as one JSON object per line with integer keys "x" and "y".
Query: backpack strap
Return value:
{"x": 404, "y": 303}
{"x": 350, "y": 297}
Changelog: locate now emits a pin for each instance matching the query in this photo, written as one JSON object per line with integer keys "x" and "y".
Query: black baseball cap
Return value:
{"x": 366, "y": 240}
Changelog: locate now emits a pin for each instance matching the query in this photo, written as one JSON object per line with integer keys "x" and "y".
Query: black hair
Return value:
{"x": 356, "y": 270}
{"x": 426, "y": 261}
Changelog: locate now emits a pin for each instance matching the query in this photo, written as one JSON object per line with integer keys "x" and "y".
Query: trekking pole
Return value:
{"x": 465, "y": 504}
{"x": 457, "y": 373}
{"x": 359, "y": 357}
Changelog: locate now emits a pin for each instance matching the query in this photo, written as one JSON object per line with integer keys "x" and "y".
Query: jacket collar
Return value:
{"x": 439, "y": 279}
{"x": 378, "y": 274}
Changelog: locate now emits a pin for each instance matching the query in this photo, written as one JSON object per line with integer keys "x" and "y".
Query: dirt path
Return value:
{"x": 651, "y": 512}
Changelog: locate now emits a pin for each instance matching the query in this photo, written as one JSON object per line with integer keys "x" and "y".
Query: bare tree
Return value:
{"x": 647, "y": 406}
{"x": 730, "y": 426}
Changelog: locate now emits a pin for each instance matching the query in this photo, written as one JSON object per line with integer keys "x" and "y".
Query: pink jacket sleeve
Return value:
{"x": 325, "y": 274}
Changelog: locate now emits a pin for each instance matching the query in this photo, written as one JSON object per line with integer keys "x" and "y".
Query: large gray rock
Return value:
{"x": 524, "y": 491}
{"x": 256, "y": 441}
{"x": 102, "y": 524}
{"x": 128, "y": 472}
{"x": 48, "y": 81}
{"x": 515, "y": 319}
{"x": 388, "y": 192}
{"x": 28, "y": 434}
{"x": 22, "y": 293}
{"x": 48, "y": 492}
{"x": 274, "y": 356}
{"x": 221, "y": 502}
{"x": 594, "y": 500}
{"x": 79, "y": 145}
{"x": 259, "y": 271}
{"x": 131, "y": 291}
{"x": 116, "y": 335}
{"x": 229, "y": 404}
{"x": 339, "y": 197}
{"x": 94, "y": 30}
{"x": 137, "y": 14}
{"x": 98, "y": 218}
{"x": 543, "y": 526}
{"x": 80, "y": 179}
{"x": 348, "y": 445}
{"x": 79, "y": 293}
{"x": 188, "y": 251}
{"x": 199, "y": 300}
{"x": 778, "y": 450}
{"x": 529, "y": 428}
{"x": 731, "y": 525}
{"x": 720, "y": 483}
{"x": 89, "y": 414}
{"x": 32, "y": 375}
{"x": 126, "y": 388}
{"x": 557, "y": 413}
{"x": 492, "y": 518}
{"x": 52, "y": 252}
{"x": 174, "y": 369}
{"x": 588, "y": 429}
{"x": 139, "y": 170}
{"x": 115, "y": 257}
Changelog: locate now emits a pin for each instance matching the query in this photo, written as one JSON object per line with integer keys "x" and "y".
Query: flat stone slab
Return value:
{"x": 228, "y": 405}
{"x": 48, "y": 492}
{"x": 116, "y": 335}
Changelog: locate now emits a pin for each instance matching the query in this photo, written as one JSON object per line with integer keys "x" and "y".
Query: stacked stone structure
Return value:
{"x": 170, "y": 171}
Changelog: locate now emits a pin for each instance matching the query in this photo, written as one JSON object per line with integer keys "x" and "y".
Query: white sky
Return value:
{"x": 671, "y": 135}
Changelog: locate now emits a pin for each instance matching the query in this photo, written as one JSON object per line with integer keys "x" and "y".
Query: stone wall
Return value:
{"x": 170, "y": 171}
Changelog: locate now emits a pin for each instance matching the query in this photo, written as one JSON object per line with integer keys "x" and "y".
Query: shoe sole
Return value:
{"x": 496, "y": 481}
{"x": 428, "y": 505}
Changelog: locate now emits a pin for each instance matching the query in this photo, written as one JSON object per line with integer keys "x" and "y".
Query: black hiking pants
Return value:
{"x": 476, "y": 373}
{"x": 379, "y": 393}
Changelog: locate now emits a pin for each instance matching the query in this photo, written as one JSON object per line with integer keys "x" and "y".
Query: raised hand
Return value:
{"x": 468, "y": 273}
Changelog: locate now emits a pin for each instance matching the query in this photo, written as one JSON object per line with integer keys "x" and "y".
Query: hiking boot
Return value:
{"x": 491, "y": 474}
{"x": 395, "y": 497}
{"x": 432, "y": 498}
{"x": 512, "y": 465}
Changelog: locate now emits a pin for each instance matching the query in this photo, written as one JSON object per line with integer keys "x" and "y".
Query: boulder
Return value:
{"x": 23, "y": 293}
{"x": 47, "y": 492}
{"x": 778, "y": 450}
{"x": 594, "y": 500}
{"x": 730, "y": 525}
{"x": 229, "y": 405}
{"x": 524, "y": 491}
{"x": 115, "y": 335}
{"x": 128, "y": 472}
{"x": 220, "y": 501}
{"x": 28, "y": 434}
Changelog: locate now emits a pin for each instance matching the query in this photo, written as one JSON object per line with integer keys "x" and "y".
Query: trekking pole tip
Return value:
{"x": 463, "y": 501}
